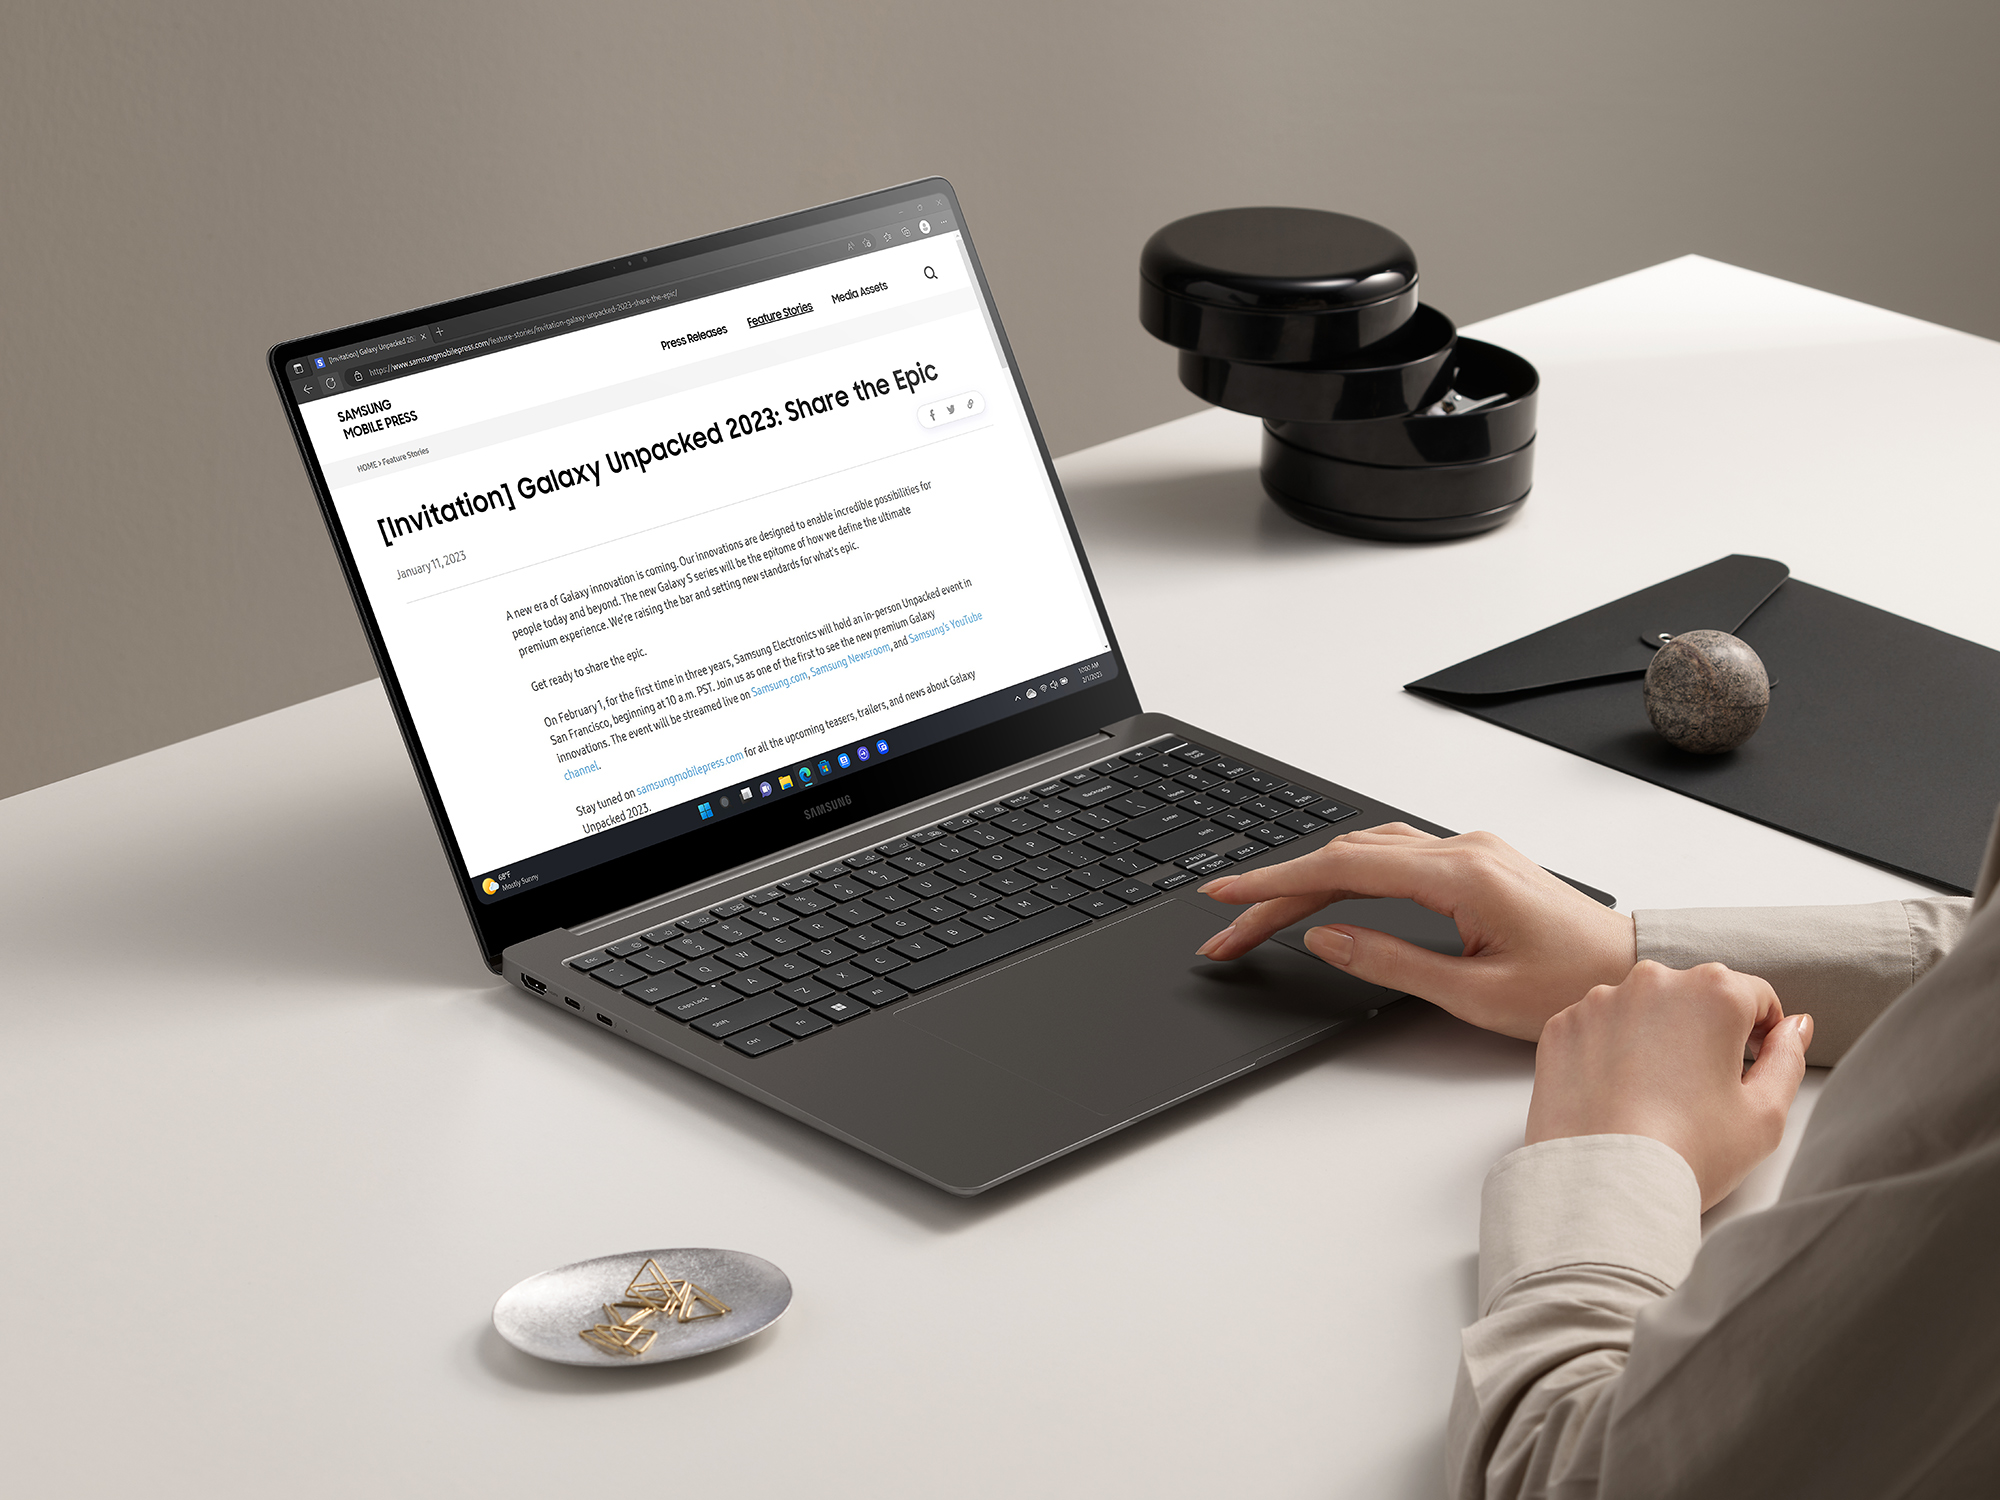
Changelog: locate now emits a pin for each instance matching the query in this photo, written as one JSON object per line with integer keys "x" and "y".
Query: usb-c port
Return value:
{"x": 572, "y": 1004}
{"x": 604, "y": 1018}
{"x": 534, "y": 984}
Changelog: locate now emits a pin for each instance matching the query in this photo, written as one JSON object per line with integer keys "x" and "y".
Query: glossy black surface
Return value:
{"x": 1403, "y": 494}
{"x": 1475, "y": 371}
{"x": 1275, "y": 285}
{"x": 1390, "y": 378}
{"x": 1389, "y": 529}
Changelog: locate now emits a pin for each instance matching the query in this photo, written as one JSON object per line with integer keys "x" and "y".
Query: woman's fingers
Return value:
{"x": 1358, "y": 865}
{"x": 1259, "y": 922}
{"x": 1453, "y": 983}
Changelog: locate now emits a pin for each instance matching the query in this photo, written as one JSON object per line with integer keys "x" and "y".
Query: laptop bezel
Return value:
{"x": 765, "y": 831}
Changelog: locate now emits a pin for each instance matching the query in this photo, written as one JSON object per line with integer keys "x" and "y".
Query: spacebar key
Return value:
{"x": 1023, "y": 934}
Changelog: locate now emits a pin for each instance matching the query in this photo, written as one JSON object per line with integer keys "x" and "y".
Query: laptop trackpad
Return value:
{"x": 1127, "y": 1013}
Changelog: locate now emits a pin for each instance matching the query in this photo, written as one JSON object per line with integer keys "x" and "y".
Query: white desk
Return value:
{"x": 275, "y": 1141}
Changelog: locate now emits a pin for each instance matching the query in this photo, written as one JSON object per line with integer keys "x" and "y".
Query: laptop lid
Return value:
{"x": 673, "y": 562}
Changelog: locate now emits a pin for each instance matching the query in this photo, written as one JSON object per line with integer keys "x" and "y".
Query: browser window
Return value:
{"x": 647, "y": 563}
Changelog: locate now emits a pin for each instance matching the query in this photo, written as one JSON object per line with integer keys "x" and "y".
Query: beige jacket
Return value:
{"x": 1845, "y": 1341}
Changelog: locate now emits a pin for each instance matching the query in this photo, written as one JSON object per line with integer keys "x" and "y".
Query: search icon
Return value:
{"x": 931, "y": 272}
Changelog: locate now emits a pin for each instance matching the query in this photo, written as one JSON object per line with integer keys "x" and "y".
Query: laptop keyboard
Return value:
{"x": 788, "y": 961}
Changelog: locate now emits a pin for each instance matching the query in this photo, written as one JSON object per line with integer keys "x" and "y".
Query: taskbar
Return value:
{"x": 632, "y": 820}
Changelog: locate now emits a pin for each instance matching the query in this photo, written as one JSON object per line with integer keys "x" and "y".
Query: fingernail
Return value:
{"x": 1804, "y": 1023}
{"x": 1331, "y": 944}
{"x": 1214, "y": 885}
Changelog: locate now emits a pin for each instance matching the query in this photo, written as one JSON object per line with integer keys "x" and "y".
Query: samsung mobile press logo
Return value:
{"x": 832, "y": 804}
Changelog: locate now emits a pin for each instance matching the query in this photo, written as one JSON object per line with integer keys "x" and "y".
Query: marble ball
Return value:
{"x": 1706, "y": 692}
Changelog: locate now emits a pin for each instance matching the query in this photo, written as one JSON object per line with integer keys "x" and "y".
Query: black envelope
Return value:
{"x": 1882, "y": 740}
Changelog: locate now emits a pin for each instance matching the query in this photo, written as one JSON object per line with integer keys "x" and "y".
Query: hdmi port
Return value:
{"x": 534, "y": 984}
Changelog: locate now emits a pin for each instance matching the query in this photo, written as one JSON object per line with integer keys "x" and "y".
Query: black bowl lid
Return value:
{"x": 1281, "y": 260}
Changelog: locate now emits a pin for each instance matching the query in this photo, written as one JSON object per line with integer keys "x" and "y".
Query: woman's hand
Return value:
{"x": 1661, "y": 1055}
{"x": 1533, "y": 945}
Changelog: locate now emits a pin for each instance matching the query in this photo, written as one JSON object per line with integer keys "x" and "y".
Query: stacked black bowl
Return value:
{"x": 1379, "y": 421}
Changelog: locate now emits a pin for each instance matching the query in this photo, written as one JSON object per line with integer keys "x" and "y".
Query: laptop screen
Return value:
{"x": 652, "y": 549}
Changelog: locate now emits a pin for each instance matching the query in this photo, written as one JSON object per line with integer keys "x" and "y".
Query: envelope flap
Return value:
{"x": 1606, "y": 642}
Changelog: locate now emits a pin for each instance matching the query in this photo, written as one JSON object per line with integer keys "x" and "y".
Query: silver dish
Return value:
{"x": 546, "y": 1314}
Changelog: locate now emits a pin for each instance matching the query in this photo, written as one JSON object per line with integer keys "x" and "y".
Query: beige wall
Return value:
{"x": 182, "y": 185}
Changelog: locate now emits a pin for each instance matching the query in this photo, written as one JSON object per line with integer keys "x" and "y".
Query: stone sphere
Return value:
{"x": 1706, "y": 691}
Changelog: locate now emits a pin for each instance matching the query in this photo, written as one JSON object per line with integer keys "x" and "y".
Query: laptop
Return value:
{"x": 736, "y": 624}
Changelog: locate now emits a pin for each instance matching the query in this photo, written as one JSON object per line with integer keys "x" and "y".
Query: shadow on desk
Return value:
{"x": 1409, "y": 1040}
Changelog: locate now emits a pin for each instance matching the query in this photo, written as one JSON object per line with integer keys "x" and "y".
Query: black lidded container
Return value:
{"x": 1281, "y": 286}
{"x": 1484, "y": 406}
{"x": 1390, "y": 378}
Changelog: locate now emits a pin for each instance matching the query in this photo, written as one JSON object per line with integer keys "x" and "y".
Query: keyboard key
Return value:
{"x": 925, "y": 835}
{"x": 1200, "y": 781}
{"x": 879, "y": 877}
{"x": 796, "y": 884}
{"x": 1023, "y": 905}
{"x": 996, "y": 859}
{"x": 1052, "y": 921}
{"x": 1048, "y": 809}
{"x": 698, "y": 1003}
{"x": 938, "y": 911}
{"x": 590, "y": 961}
{"x": 879, "y": 993}
{"x": 1112, "y": 841}
{"x": 651, "y": 962}
{"x": 881, "y": 961}
{"x": 1244, "y": 851}
{"x": 1048, "y": 788}
{"x": 991, "y": 919}
{"x": 893, "y": 900}
{"x": 991, "y": 810}
{"x": 791, "y": 966}
{"x": 665, "y": 987}
{"x": 1205, "y": 864}
{"x": 950, "y": 849}
{"x": 807, "y": 902}
{"x": 1092, "y": 877}
{"x": 1134, "y": 776}
{"x": 1181, "y": 841}
{"x": 1017, "y": 822}
{"x": 923, "y": 945}
{"x": 958, "y": 824}
{"x": 961, "y": 871}
{"x": 843, "y": 976}
{"x": 1129, "y": 864}
{"x": 802, "y": 1023}
{"x": 1268, "y": 834}
{"x": 1058, "y": 891}
{"x": 1333, "y": 812}
{"x": 1093, "y": 793}
{"x": 972, "y": 897}
{"x": 862, "y": 860}
{"x": 1302, "y": 822}
{"x": 756, "y": 1042}
{"x": 1202, "y": 807}
{"x": 694, "y": 946}
{"x": 828, "y": 953}
{"x": 662, "y": 934}
{"x": 1104, "y": 767}
{"x": 745, "y": 957}
{"x": 626, "y": 948}
{"x": 1179, "y": 877}
{"x": 982, "y": 837}
{"x": 730, "y": 933}
{"x": 1235, "y": 796}
{"x": 1235, "y": 819}
{"x": 1097, "y": 822}
{"x": 1032, "y": 844}
{"x": 1143, "y": 752}
{"x": 764, "y": 897}
{"x": 744, "y": 1013}
{"x": 1295, "y": 797}
{"x": 1097, "y": 905}
{"x": 1041, "y": 869}
{"x": 815, "y": 929}
{"x": 842, "y": 890}
{"x": 768, "y": 917}
{"x": 1080, "y": 778}
{"x": 894, "y": 847}
{"x": 1064, "y": 832}
{"x": 618, "y": 975}
{"x": 805, "y": 991}
{"x": 929, "y": 887}
{"x": 1017, "y": 801}
{"x": 915, "y": 862}
{"x": 1194, "y": 755}
{"x": 752, "y": 982}
{"x": 1078, "y": 855}
{"x": 1009, "y": 883}
{"x": 1265, "y": 809}
{"x": 1223, "y": 766}
{"x": 1166, "y": 820}
{"x": 854, "y": 913}
{"x": 1262, "y": 781}
{"x": 841, "y": 1008}
{"x": 729, "y": 909}
{"x": 865, "y": 939}
{"x": 830, "y": 872}
{"x": 705, "y": 971}
{"x": 1132, "y": 892}
{"x": 1170, "y": 791}
{"x": 953, "y": 933}
{"x": 902, "y": 924}
{"x": 1131, "y": 804}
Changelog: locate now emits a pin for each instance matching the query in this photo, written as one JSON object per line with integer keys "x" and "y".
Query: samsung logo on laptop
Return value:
{"x": 832, "y": 804}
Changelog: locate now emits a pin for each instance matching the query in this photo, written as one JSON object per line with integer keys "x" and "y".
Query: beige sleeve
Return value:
{"x": 1844, "y": 964}
{"x": 1576, "y": 1238}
